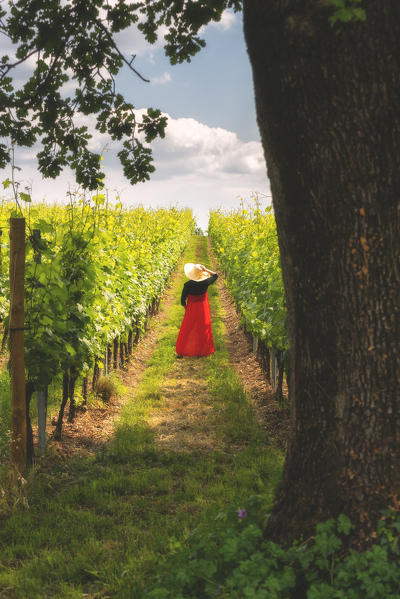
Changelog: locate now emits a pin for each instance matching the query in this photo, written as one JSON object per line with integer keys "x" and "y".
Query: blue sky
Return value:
{"x": 211, "y": 155}
{"x": 215, "y": 88}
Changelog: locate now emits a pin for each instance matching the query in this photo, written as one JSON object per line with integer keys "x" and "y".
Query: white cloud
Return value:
{"x": 228, "y": 19}
{"x": 132, "y": 42}
{"x": 162, "y": 80}
{"x": 190, "y": 146}
{"x": 196, "y": 165}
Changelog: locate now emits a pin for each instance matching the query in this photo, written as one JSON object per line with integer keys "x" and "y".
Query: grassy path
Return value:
{"x": 186, "y": 444}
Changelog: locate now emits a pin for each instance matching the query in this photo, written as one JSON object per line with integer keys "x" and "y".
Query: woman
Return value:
{"x": 195, "y": 335}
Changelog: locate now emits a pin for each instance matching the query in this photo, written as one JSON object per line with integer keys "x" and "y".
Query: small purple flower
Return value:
{"x": 242, "y": 514}
{"x": 219, "y": 589}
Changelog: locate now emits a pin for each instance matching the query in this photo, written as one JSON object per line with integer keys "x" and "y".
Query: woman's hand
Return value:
{"x": 202, "y": 267}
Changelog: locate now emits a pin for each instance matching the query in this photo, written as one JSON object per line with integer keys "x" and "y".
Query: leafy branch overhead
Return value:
{"x": 59, "y": 42}
{"x": 73, "y": 41}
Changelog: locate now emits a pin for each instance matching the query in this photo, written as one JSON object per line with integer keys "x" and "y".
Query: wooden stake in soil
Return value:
{"x": 42, "y": 413}
{"x": 16, "y": 327}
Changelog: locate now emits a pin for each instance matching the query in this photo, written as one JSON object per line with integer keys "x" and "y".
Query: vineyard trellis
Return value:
{"x": 94, "y": 274}
{"x": 246, "y": 246}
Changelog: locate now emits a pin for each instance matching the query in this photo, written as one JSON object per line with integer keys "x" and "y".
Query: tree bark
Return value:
{"x": 327, "y": 101}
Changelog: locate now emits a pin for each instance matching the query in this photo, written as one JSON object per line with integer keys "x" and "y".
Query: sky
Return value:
{"x": 211, "y": 156}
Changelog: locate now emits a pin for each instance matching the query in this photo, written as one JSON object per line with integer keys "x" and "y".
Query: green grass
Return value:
{"x": 100, "y": 526}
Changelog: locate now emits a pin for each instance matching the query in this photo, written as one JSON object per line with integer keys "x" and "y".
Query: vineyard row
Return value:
{"x": 93, "y": 275}
{"x": 246, "y": 246}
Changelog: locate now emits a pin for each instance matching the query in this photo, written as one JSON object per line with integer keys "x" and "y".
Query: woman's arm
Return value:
{"x": 183, "y": 297}
{"x": 211, "y": 272}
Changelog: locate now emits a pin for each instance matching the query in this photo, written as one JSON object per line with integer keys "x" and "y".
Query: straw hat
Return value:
{"x": 194, "y": 272}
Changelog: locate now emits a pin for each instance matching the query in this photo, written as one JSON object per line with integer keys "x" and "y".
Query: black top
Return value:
{"x": 196, "y": 287}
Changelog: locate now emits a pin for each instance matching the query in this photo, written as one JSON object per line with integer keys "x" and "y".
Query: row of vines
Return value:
{"x": 246, "y": 246}
{"x": 93, "y": 276}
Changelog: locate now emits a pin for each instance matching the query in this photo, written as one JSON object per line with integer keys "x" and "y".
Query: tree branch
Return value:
{"x": 43, "y": 84}
{"x": 127, "y": 62}
{"x": 7, "y": 68}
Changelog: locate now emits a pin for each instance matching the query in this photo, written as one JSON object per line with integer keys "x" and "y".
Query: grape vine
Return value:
{"x": 92, "y": 275}
{"x": 245, "y": 243}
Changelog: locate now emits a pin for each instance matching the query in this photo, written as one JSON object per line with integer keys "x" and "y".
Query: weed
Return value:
{"x": 106, "y": 388}
{"x": 228, "y": 557}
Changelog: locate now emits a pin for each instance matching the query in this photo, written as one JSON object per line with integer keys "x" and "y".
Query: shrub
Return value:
{"x": 106, "y": 388}
{"x": 230, "y": 559}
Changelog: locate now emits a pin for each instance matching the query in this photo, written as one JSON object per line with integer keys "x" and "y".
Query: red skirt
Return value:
{"x": 195, "y": 336}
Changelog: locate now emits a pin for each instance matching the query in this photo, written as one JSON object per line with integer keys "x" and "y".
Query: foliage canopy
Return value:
{"x": 58, "y": 42}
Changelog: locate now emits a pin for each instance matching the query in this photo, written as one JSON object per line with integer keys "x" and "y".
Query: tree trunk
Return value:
{"x": 327, "y": 107}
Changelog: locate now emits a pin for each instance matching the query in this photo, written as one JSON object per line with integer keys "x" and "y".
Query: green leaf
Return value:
{"x": 344, "y": 524}
{"x": 25, "y": 197}
{"x": 70, "y": 349}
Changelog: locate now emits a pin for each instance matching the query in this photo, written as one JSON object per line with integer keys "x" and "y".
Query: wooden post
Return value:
{"x": 273, "y": 369}
{"x": 130, "y": 342}
{"x": 115, "y": 357}
{"x": 121, "y": 355}
{"x": 267, "y": 363}
{"x": 84, "y": 391}
{"x": 16, "y": 327}
{"x": 42, "y": 412}
{"x": 105, "y": 362}
{"x": 96, "y": 374}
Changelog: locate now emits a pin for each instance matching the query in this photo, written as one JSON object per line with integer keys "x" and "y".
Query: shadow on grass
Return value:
{"x": 102, "y": 524}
